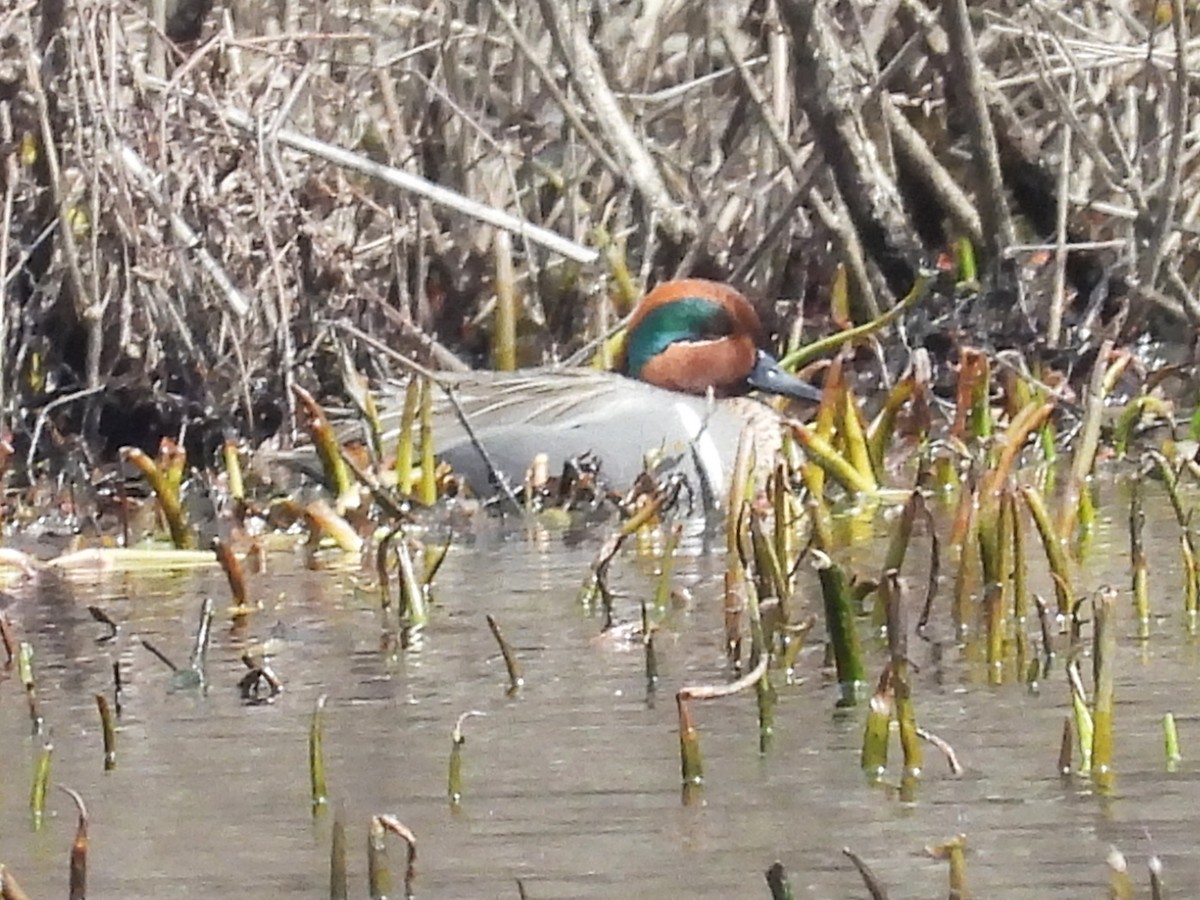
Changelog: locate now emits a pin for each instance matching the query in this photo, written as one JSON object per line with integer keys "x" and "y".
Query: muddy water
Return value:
{"x": 573, "y": 785}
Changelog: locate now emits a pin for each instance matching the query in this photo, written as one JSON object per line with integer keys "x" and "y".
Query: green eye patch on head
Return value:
{"x": 687, "y": 319}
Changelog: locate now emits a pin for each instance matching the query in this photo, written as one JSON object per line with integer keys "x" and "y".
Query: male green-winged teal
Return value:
{"x": 690, "y": 357}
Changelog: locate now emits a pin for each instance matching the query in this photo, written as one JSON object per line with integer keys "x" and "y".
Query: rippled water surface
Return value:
{"x": 573, "y": 785}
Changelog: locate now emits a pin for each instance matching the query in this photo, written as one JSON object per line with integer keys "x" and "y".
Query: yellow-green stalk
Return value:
{"x": 854, "y": 439}
{"x": 379, "y": 872}
{"x": 77, "y": 881}
{"x": 993, "y": 603}
{"x": 413, "y": 608}
{"x": 1171, "y": 742}
{"x": 329, "y": 451}
{"x": 233, "y": 470}
{"x": 454, "y": 781}
{"x": 662, "y": 590}
{"x": 427, "y": 490}
{"x": 516, "y": 677}
{"x": 906, "y": 716}
{"x": 41, "y": 779}
{"x": 109, "y": 732}
{"x": 802, "y": 356}
{"x": 839, "y": 623}
{"x": 880, "y": 709}
{"x": 1052, "y": 542}
{"x": 316, "y": 757}
{"x": 1086, "y": 444}
{"x": 338, "y": 880}
{"x": 404, "y": 441}
{"x": 883, "y": 427}
{"x": 691, "y": 763}
{"x": 504, "y": 327}
{"x": 1137, "y": 555}
{"x": 1083, "y": 718}
{"x": 165, "y": 492}
{"x": 820, "y": 451}
{"x": 1020, "y": 581}
{"x": 1104, "y": 648}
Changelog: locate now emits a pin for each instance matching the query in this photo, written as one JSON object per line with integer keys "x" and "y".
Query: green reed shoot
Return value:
{"x": 882, "y": 430}
{"x": 785, "y": 511}
{"x": 624, "y": 291}
{"x": 1066, "y": 747}
{"x": 1191, "y": 574}
{"x": 77, "y": 879}
{"x": 404, "y": 442}
{"x": 691, "y": 762}
{"x": 993, "y": 606}
{"x": 41, "y": 779}
{"x": 233, "y": 470}
{"x": 324, "y": 521}
{"x": 109, "y": 732}
{"x": 964, "y": 541}
{"x": 798, "y": 359}
{"x": 1083, "y": 718}
{"x": 516, "y": 677}
{"x": 25, "y": 673}
{"x": 839, "y": 623}
{"x": 1052, "y": 542}
{"x": 358, "y": 389}
{"x": 1084, "y": 455}
{"x": 379, "y": 872}
{"x": 662, "y": 589}
{"x": 1171, "y": 742}
{"x": 338, "y": 880}
{"x": 329, "y": 452}
{"x": 457, "y": 739}
{"x": 1120, "y": 885}
{"x": 906, "y": 716}
{"x": 413, "y": 608}
{"x": 235, "y": 574}
{"x": 902, "y": 532}
{"x": 751, "y": 542}
{"x": 1020, "y": 579}
{"x": 166, "y": 492}
{"x": 955, "y": 850}
{"x": 504, "y": 323}
{"x": 1137, "y": 557}
{"x": 972, "y": 409}
{"x": 819, "y": 451}
{"x": 8, "y": 640}
{"x": 396, "y": 827}
{"x": 876, "y": 734}
{"x": 853, "y": 436}
{"x": 778, "y": 883}
{"x": 872, "y": 883}
{"x": 770, "y": 577}
{"x": 427, "y": 488}
{"x": 649, "y": 652}
{"x": 1104, "y": 649}
{"x": 319, "y": 789}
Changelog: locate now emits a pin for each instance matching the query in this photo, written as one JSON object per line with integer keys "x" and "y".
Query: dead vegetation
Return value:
{"x": 189, "y": 225}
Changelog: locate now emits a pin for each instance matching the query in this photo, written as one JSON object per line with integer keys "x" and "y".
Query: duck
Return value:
{"x": 689, "y": 379}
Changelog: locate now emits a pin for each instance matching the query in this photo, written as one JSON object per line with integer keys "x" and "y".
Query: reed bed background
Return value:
{"x": 182, "y": 243}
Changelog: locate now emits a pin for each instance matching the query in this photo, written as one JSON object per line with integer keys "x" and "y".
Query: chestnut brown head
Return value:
{"x": 693, "y": 335}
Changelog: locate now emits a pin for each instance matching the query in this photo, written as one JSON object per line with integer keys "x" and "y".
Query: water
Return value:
{"x": 571, "y": 786}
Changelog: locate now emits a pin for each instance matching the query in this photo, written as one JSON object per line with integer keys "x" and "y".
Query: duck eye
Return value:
{"x": 718, "y": 325}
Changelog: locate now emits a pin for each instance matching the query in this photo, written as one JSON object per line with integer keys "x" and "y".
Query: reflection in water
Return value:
{"x": 573, "y": 784}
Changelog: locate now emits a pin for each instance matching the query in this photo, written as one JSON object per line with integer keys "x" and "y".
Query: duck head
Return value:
{"x": 691, "y": 335}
